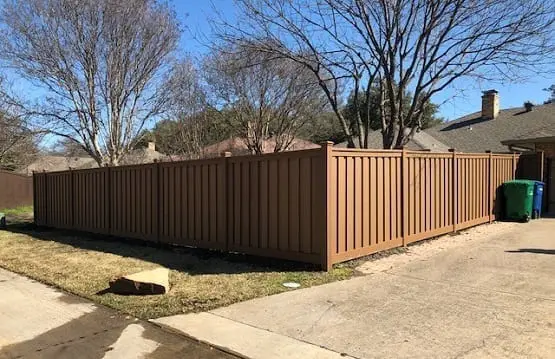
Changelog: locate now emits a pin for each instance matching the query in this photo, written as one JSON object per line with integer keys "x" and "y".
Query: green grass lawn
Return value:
{"x": 18, "y": 212}
{"x": 200, "y": 280}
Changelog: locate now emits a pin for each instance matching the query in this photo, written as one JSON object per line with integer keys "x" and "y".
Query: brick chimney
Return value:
{"x": 490, "y": 104}
{"x": 152, "y": 146}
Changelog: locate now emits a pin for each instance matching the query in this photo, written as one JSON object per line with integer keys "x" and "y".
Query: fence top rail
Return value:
{"x": 364, "y": 153}
{"x": 364, "y": 150}
{"x": 472, "y": 155}
{"x": 420, "y": 154}
{"x": 507, "y": 156}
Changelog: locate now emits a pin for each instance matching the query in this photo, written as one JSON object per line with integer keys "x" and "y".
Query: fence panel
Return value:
{"x": 59, "y": 200}
{"x": 15, "y": 190}
{"x": 365, "y": 202}
{"x": 133, "y": 197}
{"x": 91, "y": 191}
{"x": 472, "y": 190}
{"x": 429, "y": 195}
{"x": 276, "y": 205}
{"x": 192, "y": 203}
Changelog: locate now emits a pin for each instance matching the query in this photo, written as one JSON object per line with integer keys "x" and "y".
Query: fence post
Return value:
{"x": 490, "y": 186}
{"x": 455, "y": 188}
{"x": 226, "y": 201}
{"x": 158, "y": 190}
{"x": 45, "y": 198}
{"x": 34, "y": 199}
{"x": 109, "y": 200}
{"x": 72, "y": 199}
{"x": 514, "y": 165}
{"x": 404, "y": 193}
{"x": 329, "y": 184}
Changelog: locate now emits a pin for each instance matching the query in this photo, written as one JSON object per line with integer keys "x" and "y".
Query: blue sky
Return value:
{"x": 455, "y": 102}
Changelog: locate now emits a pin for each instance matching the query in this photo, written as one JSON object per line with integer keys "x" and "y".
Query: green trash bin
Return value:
{"x": 519, "y": 199}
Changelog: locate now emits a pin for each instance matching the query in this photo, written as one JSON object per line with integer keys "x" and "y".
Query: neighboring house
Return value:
{"x": 421, "y": 141}
{"x": 237, "y": 146}
{"x": 50, "y": 163}
{"x": 542, "y": 139}
{"x": 518, "y": 129}
{"x": 488, "y": 129}
{"x": 144, "y": 155}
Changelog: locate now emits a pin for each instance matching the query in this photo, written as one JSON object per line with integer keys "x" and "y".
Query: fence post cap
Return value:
{"x": 451, "y": 150}
{"x": 327, "y": 144}
{"x": 225, "y": 154}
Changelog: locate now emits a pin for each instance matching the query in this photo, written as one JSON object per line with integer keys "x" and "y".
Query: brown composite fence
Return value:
{"x": 15, "y": 190}
{"x": 320, "y": 206}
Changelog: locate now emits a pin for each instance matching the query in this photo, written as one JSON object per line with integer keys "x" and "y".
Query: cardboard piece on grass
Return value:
{"x": 153, "y": 281}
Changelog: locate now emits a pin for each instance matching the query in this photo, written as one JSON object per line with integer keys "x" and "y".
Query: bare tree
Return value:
{"x": 264, "y": 97}
{"x": 18, "y": 142}
{"x": 189, "y": 125}
{"x": 551, "y": 90}
{"x": 101, "y": 63}
{"x": 18, "y": 145}
{"x": 419, "y": 46}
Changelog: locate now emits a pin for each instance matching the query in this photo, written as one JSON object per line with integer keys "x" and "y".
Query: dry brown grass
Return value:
{"x": 200, "y": 280}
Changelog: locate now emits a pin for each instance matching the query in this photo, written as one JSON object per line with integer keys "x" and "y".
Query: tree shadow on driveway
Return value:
{"x": 533, "y": 250}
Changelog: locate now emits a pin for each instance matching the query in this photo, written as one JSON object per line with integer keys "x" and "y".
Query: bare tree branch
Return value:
{"x": 267, "y": 98}
{"x": 101, "y": 62}
{"x": 403, "y": 46}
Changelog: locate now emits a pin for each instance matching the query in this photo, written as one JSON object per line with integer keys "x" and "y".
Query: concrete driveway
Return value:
{"x": 487, "y": 293}
{"x": 37, "y": 321}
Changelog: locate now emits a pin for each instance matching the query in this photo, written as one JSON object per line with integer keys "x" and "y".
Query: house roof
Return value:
{"x": 48, "y": 163}
{"x": 420, "y": 141}
{"x": 238, "y": 146}
{"x": 472, "y": 133}
{"x": 58, "y": 163}
{"x": 544, "y": 134}
{"x": 142, "y": 155}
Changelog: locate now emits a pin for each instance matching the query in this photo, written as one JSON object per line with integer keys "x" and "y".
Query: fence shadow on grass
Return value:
{"x": 194, "y": 261}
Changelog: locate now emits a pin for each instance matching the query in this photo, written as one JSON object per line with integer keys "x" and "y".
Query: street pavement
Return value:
{"x": 487, "y": 293}
{"x": 37, "y": 321}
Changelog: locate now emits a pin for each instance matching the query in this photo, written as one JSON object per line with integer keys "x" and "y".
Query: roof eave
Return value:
{"x": 531, "y": 140}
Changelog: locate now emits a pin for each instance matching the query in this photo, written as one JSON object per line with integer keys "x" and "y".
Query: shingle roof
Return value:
{"x": 48, "y": 163}
{"x": 58, "y": 163}
{"x": 238, "y": 146}
{"x": 547, "y": 131}
{"x": 472, "y": 133}
{"x": 420, "y": 141}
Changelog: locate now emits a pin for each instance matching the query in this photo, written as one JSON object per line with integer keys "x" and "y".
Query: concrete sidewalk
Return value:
{"x": 489, "y": 293}
{"x": 37, "y": 321}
